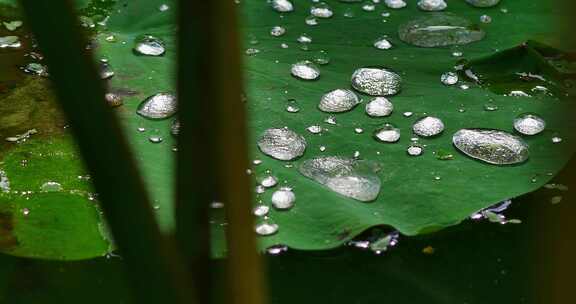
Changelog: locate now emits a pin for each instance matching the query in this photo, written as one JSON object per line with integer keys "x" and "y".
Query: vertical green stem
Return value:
{"x": 151, "y": 265}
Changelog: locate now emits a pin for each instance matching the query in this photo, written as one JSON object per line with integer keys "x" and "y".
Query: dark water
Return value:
{"x": 475, "y": 262}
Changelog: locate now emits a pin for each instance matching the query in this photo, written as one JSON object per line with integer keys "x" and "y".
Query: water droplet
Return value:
{"x": 529, "y": 124}
{"x": 282, "y": 144}
{"x": 387, "y": 133}
{"x": 368, "y": 7}
{"x": 304, "y": 39}
{"x": 305, "y": 70}
{"x": 485, "y": 19}
{"x": 382, "y": 43}
{"x": 51, "y": 186}
{"x": 12, "y": 25}
{"x": 384, "y": 242}
{"x": 395, "y": 4}
{"x": 491, "y": 146}
{"x": 483, "y": 3}
{"x": 261, "y": 210}
{"x": 556, "y": 199}
{"x": 37, "y": 69}
{"x": 155, "y": 139}
{"x": 518, "y": 93}
{"x": 490, "y": 106}
{"x": 428, "y": 126}
{"x": 292, "y": 106}
{"x": 439, "y": 29}
{"x": 11, "y": 42}
{"x": 407, "y": 114}
{"x": 163, "y": 7}
{"x": 252, "y": 51}
{"x": 277, "y": 31}
{"x": 379, "y": 107}
{"x": 259, "y": 189}
{"x": 158, "y": 106}
{"x": 415, "y": 150}
{"x": 175, "y": 127}
{"x": 265, "y": 229}
{"x": 349, "y": 13}
{"x": 282, "y": 6}
{"x": 314, "y": 129}
{"x": 149, "y": 45}
{"x": 331, "y": 120}
{"x": 25, "y": 211}
{"x": 449, "y": 78}
{"x": 283, "y": 199}
{"x": 311, "y": 20}
{"x": 321, "y": 57}
{"x": 352, "y": 178}
{"x": 376, "y": 82}
{"x": 432, "y": 5}
{"x": 113, "y": 99}
{"x": 269, "y": 181}
{"x": 358, "y": 130}
{"x": 556, "y": 139}
{"x": 277, "y": 249}
{"x": 444, "y": 155}
{"x": 339, "y": 100}
{"x": 321, "y": 10}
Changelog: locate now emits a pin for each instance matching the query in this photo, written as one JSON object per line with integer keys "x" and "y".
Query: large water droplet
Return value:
{"x": 432, "y": 5}
{"x": 483, "y": 3}
{"x": 352, "y": 178}
{"x": 266, "y": 229}
{"x": 282, "y": 144}
{"x": 428, "y": 126}
{"x": 158, "y": 106}
{"x": 149, "y": 45}
{"x": 379, "y": 107}
{"x": 282, "y": 6}
{"x": 305, "y": 70}
{"x": 491, "y": 146}
{"x": 529, "y": 124}
{"x": 387, "y": 133}
{"x": 376, "y": 82}
{"x": 283, "y": 199}
{"x": 339, "y": 100}
{"x": 439, "y": 29}
{"x": 449, "y": 78}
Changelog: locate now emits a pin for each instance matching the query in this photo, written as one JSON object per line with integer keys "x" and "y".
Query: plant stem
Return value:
{"x": 151, "y": 265}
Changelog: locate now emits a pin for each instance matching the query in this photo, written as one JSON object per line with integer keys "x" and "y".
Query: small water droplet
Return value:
{"x": 415, "y": 150}
{"x": 407, "y": 114}
{"x": 261, "y": 210}
{"x": 352, "y": 178}
{"x": 483, "y": 3}
{"x": 311, "y": 20}
{"x": 358, "y": 130}
{"x": 265, "y": 229}
{"x": 556, "y": 139}
{"x": 304, "y": 39}
{"x": 292, "y": 106}
{"x": 282, "y": 6}
{"x": 432, "y": 5}
{"x": 331, "y": 120}
{"x": 490, "y": 106}
{"x": 314, "y": 129}
{"x": 382, "y": 43}
{"x": 428, "y": 126}
{"x": 556, "y": 199}
{"x": 158, "y": 106}
{"x": 321, "y": 10}
{"x": 277, "y": 249}
{"x": 321, "y": 57}
{"x": 305, "y": 70}
{"x": 339, "y": 100}
{"x": 149, "y": 45}
{"x": 155, "y": 139}
{"x": 387, "y": 133}
{"x": 10, "y": 42}
{"x": 277, "y": 31}
{"x": 379, "y": 107}
{"x": 485, "y": 19}
{"x": 113, "y": 99}
{"x": 376, "y": 82}
{"x": 283, "y": 199}
{"x": 439, "y": 29}
{"x": 269, "y": 181}
{"x": 51, "y": 186}
{"x": 529, "y": 124}
{"x": 252, "y": 51}
{"x": 449, "y": 78}
{"x": 395, "y": 4}
{"x": 282, "y": 144}
{"x": 491, "y": 146}
{"x": 163, "y": 7}
{"x": 25, "y": 211}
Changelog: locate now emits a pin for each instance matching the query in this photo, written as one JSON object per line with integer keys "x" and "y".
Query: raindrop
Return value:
{"x": 283, "y": 199}
{"x": 358, "y": 130}
{"x": 311, "y": 20}
{"x": 529, "y": 124}
{"x": 259, "y": 189}
{"x": 277, "y": 31}
{"x": 376, "y": 82}
{"x": 282, "y": 6}
{"x": 395, "y": 4}
{"x": 163, "y": 7}
{"x": 331, "y": 120}
{"x": 321, "y": 10}
{"x": 51, "y": 186}
{"x": 428, "y": 126}
{"x": 149, "y": 45}
{"x": 261, "y": 210}
{"x": 269, "y": 181}
{"x": 349, "y": 13}
{"x": 379, "y": 107}
{"x": 252, "y": 51}
{"x": 292, "y": 106}
{"x": 387, "y": 133}
{"x": 485, "y": 19}
{"x": 407, "y": 114}
{"x": 155, "y": 139}
{"x": 432, "y": 5}
{"x": 25, "y": 211}
{"x": 352, "y": 178}
{"x": 282, "y": 144}
{"x": 158, "y": 106}
{"x": 304, "y": 39}
{"x": 518, "y": 93}
{"x": 339, "y": 100}
{"x": 483, "y": 3}
{"x": 449, "y": 78}
{"x": 382, "y": 43}
{"x": 265, "y": 229}
{"x": 439, "y": 29}
{"x": 305, "y": 70}
{"x": 277, "y": 249}
{"x": 315, "y": 129}
{"x": 556, "y": 139}
{"x": 415, "y": 150}
{"x": 321, "y": 57}
{"x": 491, "y": 146}
{"x": 490, "y": 106}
